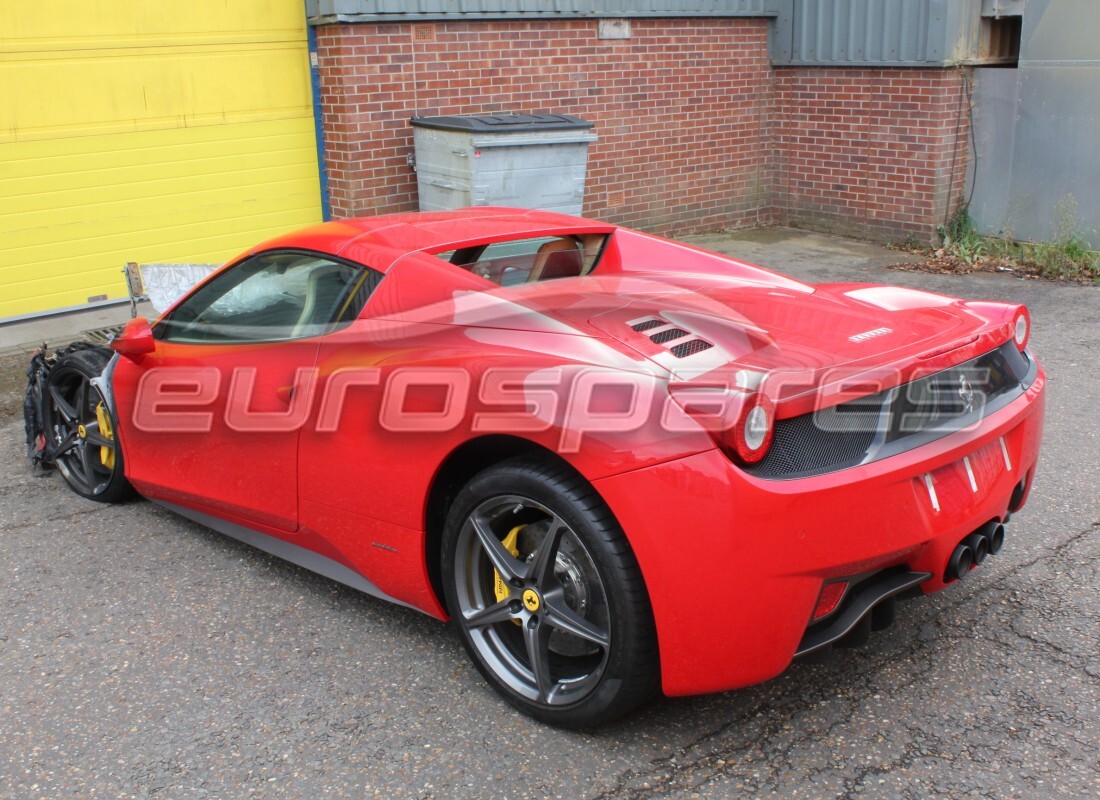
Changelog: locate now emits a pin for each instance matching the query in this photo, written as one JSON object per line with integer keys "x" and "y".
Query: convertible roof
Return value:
{"x": 380, "y": 241}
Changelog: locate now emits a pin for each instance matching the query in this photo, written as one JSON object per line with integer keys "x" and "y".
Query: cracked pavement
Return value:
{"x": 144, "y": 656}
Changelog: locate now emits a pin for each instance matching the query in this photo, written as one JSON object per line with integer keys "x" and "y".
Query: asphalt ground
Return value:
{"x": 144, "y": 656}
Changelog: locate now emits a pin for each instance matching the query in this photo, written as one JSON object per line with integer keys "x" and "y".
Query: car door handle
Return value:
{"x": 285, "y": 392}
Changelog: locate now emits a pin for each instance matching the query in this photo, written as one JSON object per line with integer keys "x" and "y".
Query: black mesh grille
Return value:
{"x": 690, "y": 348}
{"x": 801, "y": 448}
{"x": 668, "y": 336}
{"x": 889, "y": 422}
{"x": 647, "y": 325}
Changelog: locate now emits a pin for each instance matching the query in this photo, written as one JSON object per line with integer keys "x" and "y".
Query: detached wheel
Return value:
{"x": 547, "y": 595}
{"x": 82, "y": 429}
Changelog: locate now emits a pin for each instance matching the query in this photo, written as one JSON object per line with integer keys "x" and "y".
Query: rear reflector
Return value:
{"x": 831, "y": 595}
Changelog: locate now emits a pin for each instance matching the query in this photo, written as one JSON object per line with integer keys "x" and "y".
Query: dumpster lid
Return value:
{"x": 503, "y": 123}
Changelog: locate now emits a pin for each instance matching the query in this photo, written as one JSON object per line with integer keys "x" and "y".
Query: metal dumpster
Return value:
{"x": 524, "y": 160}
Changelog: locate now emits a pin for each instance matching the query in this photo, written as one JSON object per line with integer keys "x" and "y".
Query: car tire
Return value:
{"x": 81, "y": 428}
{"x": 572, "y": 642}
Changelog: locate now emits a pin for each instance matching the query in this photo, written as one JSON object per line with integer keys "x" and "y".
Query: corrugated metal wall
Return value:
{"x": 320, "y": 11}
{"x": 1037, "y": 129}
{"x": 140, "y": 130}
{"x": 919, "y": 33}
{"x": 875, "y": 32}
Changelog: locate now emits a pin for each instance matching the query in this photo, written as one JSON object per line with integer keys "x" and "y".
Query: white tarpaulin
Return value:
{"x": 167, "y": 283}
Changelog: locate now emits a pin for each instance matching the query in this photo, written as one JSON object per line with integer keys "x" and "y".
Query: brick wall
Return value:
{"x": 682, "y": 109}
{"x": 879, "y": 153}
{"x": 696, "y": 130}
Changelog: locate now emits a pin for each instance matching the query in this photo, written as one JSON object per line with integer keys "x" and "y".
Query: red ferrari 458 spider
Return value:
{"x": 618, "y": 463}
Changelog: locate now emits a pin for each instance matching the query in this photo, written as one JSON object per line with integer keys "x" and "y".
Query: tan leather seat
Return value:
{"x": 560, "y": 265}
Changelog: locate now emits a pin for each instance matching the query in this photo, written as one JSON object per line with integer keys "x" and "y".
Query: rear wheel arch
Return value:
{"x": 459, "y": 468}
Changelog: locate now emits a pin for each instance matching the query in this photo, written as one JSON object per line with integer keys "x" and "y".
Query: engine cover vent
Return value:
{"x": 690, "y": 348}
{"x": 669, "y": 335}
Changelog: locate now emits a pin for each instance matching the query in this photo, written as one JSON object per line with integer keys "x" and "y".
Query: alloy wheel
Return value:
{"x": 83, "y": 440}
{"x": 532, "y": 600}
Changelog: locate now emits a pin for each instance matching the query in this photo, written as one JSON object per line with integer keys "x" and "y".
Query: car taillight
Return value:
{"x": 751, "y": 436}
{"x": 741, "y": 423}
{"x": 1021, "y": 329}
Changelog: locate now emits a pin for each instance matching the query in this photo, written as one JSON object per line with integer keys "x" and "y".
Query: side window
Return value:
{"x": 271, "y": 297}
{"x": 529, "y": 260}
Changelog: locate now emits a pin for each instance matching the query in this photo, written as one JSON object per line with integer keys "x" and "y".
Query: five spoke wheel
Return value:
{"x": 549, "y": 635}
{"x": 547, "y": 595}
{"x": 83, "y": 442}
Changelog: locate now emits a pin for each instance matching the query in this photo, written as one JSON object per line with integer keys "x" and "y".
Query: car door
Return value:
{"x": 210, "y": 419}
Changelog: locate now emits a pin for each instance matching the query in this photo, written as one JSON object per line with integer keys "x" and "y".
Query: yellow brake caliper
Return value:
{"x": 106, "y": 454}
{"x": 500, "y": 587}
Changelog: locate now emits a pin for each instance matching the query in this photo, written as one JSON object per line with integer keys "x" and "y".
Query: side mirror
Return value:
{"x": 136, "y": 339}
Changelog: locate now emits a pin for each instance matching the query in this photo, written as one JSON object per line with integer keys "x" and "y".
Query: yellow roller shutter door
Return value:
{"x": 140, "y": 130}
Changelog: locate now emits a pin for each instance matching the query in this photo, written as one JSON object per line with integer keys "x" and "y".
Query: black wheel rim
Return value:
{"x": 78, "y": 443}
{"x": 549, "y": 639}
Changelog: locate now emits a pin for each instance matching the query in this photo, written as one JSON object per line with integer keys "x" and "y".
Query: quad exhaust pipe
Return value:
{"x": 996, "y": 539}
{"x": 974, "y": 549}
{"x": 960, "y": 563}
{"x": 979, "y": 547}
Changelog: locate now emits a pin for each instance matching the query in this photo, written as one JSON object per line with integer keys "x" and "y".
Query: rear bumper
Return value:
{"x": 735, "y": 564}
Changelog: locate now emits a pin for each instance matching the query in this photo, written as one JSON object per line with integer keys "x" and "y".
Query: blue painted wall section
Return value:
{"x": 318, "y": 123}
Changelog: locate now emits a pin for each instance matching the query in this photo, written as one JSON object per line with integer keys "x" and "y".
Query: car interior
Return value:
{"x": 516, "y": 262}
